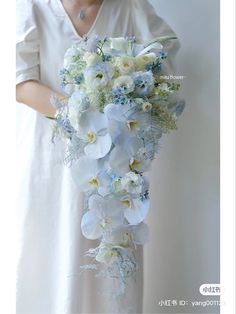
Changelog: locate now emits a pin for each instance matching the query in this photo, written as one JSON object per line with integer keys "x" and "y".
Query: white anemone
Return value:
{"x": 103, "y": 216}
{"x": 93, "y": 130}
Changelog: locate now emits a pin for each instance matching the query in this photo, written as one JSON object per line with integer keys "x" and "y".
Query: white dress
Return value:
{"x": 50, "y": 245}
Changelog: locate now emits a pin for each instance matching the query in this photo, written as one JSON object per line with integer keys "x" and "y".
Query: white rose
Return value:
{"x": 125, "y": 65}
{"x": 142, "y": 61}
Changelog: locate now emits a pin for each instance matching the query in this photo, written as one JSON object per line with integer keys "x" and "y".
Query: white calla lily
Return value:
{"x": 119, "y": 43}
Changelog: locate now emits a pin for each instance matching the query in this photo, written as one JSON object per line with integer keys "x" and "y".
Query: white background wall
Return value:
{"x": 184, "y": 249}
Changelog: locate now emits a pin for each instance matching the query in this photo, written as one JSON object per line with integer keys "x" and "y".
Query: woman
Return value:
{"x": 51, "y": 247}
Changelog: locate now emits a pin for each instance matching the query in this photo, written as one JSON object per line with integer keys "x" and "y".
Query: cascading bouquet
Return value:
{"x": 118, "y": 106}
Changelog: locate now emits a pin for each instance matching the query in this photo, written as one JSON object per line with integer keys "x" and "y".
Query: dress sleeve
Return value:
{"x": 146, "y": 25}
{"x": 27, "y": 42}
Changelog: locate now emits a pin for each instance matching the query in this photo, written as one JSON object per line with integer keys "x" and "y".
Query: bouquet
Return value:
{"x": 117, "y": 106}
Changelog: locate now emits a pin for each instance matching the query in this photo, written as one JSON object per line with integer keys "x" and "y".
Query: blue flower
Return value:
{"x": 149, "y": 67}
{"x": 63, "y": 71}
{"x": 144, "y": 83}
{"x": 107, "y": 57}
{"x": 79, "y": 79}
{"x": 118, "y": 97}
{"x": 163, "y": 54}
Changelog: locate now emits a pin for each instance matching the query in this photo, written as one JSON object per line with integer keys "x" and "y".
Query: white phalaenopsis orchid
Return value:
{"x": 125, "y": 121}
{"x": 120, "y": 240}
{"x": 85, "y": 173}
{"x": 103, "y": 216}
{"x": 93, "y": 131}
{"x": 135, "y": 210}
{"x": 129, "y": 155}
{"x": 90, "y": 176}
{"x": 127, "y": 235}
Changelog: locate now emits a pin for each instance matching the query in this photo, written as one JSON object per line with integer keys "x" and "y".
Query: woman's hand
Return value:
{"x": 37, "y": 96}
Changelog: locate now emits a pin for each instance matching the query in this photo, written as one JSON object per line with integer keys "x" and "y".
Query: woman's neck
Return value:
{"x": 83, "y": 3}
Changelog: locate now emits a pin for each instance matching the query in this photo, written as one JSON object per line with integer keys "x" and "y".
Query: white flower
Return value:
{"x": 143, "y": 60}
{"x": 127, "y": 235}
{"x": 124, "y": 83}
{"x": 93, "y": 130}
{"x": 135, "y": 210}
{"x": 91, "y": 58}
{"x": 98, "y": 75}
{"x": 164, "y": 87}
{"x": 116, "y": 186}
{"x": 103, "y": 216}
{"x": 146, "y": 106}
{"x": 77, "y": 104}
{"x": 72, "y": 54}
{"x": 132, "y": 183}
{"x": 124, "y": 122}
{"x": 85, "y": 173}
{"x": 90, "y": 175}
{"x": 125, "y": 64}
{"x": 119, "y": 43}
{"x": 106, "y": 253}
{"x": 130, "y": 155}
